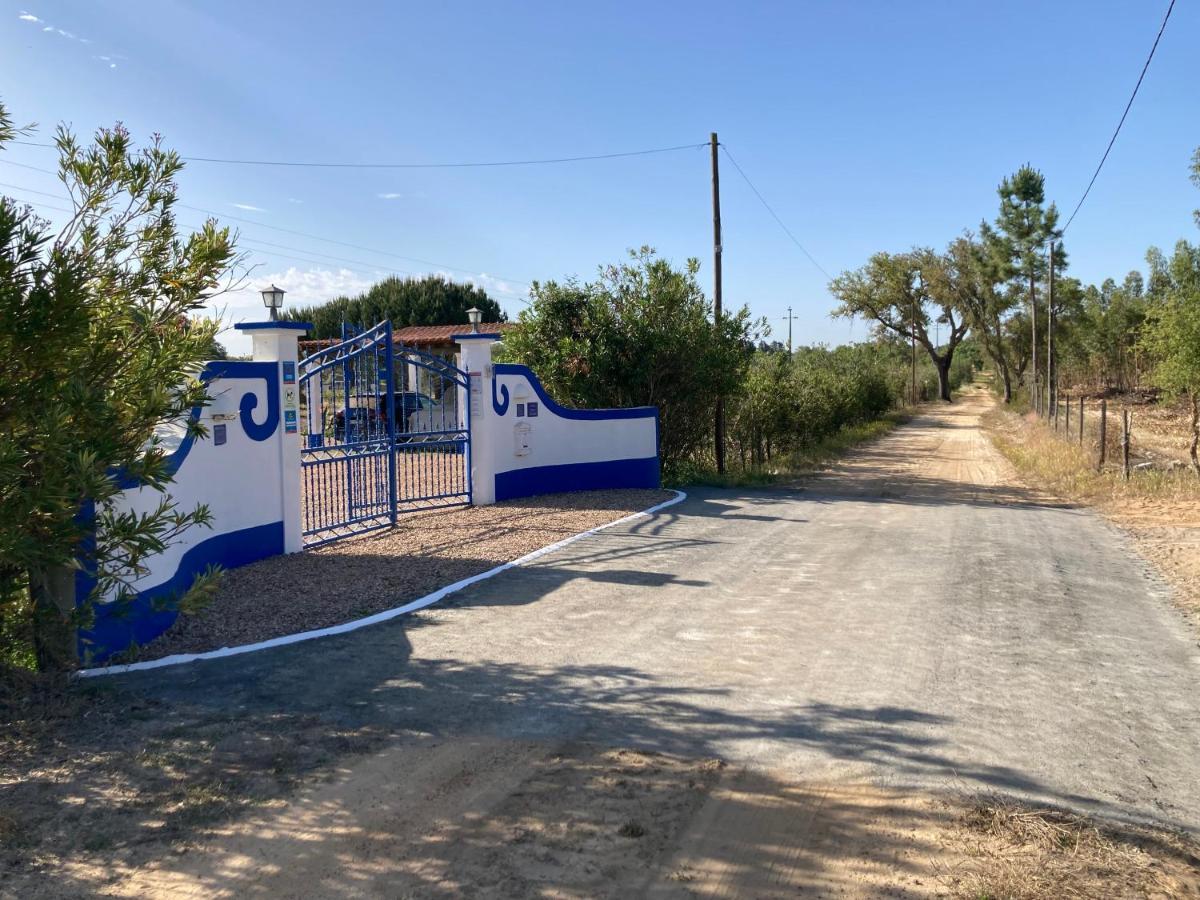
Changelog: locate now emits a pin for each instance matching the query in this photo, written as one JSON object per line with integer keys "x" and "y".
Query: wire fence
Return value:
{"x": 1109, "y": 432}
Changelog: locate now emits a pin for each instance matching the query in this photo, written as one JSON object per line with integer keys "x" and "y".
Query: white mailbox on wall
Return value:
{"x": 521, "y": 439}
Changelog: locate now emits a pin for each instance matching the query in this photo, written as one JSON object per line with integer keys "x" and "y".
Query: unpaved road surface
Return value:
{"x": 743, "y": 696}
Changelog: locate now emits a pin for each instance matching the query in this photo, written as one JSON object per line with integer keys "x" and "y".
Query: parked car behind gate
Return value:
{"x": 415, "y": 413}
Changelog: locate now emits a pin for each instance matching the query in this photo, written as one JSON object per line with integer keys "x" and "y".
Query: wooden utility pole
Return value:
{"x": 1103, "y": 434}
{"x": 1037, "y": 391}
{"x": 716, "y": 203}
{"x": 1126, "y": 426}
{"x": 1051, "y": 396}
{"x": 921, "y": 286}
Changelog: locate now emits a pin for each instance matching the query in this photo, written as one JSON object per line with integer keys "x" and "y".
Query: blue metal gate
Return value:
{"x": 386, "y": 431}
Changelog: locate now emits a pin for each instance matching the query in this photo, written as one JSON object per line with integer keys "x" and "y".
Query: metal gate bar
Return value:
{"x": 387, "y": 430}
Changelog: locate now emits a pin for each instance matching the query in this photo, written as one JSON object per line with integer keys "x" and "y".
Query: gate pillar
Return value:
{"x": 476, "y": 360}
{"x": 277, "y": 342}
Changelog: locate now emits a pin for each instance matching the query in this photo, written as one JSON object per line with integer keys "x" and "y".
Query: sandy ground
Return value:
{"x": 1168, "y": 534}
{"x": 771, "y": 693}
{"x": 516, "y": 819}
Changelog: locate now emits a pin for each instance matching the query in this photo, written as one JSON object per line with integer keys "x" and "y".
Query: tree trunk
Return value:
{"x": 53, "y": 594}
{"x": 1195, "y": 430}
{"x": 1007, "y": 378}
{"x": 943, "y": 373}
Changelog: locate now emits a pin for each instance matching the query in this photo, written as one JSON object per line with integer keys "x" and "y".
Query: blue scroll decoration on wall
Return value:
{"x": 257, "y": 431}
{"x": 498, "y": 404}
{"x": 269, "y": 372}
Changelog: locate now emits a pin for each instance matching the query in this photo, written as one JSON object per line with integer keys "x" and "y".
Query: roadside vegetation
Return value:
{"x": 1135, "y": 341}
{"x": 432, "y": 300}
{"x": 642, "y": 334}
{"x": 101, "y": 340}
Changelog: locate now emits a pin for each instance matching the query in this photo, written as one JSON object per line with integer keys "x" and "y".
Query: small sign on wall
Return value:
{"x": 220, "y": 434}
{"x": 476, "y": 398}
{"x": 531, "y": 410}
{"x": 291, "y": 398}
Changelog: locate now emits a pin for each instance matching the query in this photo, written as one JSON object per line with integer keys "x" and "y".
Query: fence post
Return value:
{"x": 476, "y": 355}
{"x": 389, "y": 357}
{"x": 1103, "y": 433}
{"x": 1081, "y": 421}
{"x": 1067, "y": 424}
{"x": 1054, "y": 412}
{"x": 1126, "y": 424}
{"x": 277, "y": 342}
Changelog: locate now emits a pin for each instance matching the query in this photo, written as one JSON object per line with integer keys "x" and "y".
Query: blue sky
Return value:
{"x": 867, "y": 126}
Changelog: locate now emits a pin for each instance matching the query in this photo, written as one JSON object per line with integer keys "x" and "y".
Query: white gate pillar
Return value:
{"x": 277, "y": 342}
{"x": 476, "y": 360}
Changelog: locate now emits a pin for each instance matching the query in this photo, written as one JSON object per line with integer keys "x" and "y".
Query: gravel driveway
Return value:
{"x": 913, "y": 621}
{"x": 362, "y": 575}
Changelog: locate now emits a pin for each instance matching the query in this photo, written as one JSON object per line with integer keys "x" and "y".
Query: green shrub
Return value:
{"x": 640, "y": 335}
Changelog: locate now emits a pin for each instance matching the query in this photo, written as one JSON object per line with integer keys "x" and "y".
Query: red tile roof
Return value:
{"x": 430, "y": 335}
{"x": 418, "y": 335}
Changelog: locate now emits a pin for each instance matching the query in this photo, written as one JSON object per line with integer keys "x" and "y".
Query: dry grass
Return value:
{"x": 1160, "y": 509}
{"x": 1018, "y": 853}
{"x": 1064, "y": 468}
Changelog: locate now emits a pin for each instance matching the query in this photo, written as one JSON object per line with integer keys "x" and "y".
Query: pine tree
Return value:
{"x": 1016, "y": 245}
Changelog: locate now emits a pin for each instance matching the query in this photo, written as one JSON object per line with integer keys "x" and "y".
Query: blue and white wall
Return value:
{"x": 246, "y": 471}
{"x": 524, "y": 443}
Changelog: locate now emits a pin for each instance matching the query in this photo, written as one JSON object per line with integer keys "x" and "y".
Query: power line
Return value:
{"x": 275, "y": 248}
{"x": 9, "y": 162}
{"x": 17, "y": 187}
{"x": 292, "y": 231}
{"x": 774, "y": 215}
{"x": 400, "y": 165}
{"x": 1128, "y": 105}
{"x": 424, "y": 262}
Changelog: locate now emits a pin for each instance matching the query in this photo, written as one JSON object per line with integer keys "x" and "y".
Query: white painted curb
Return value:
{"x": 427, "y": 600}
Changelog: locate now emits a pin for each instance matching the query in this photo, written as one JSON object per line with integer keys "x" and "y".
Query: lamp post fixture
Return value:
{"x": 273, "y": 300}
{"x": 474, "y": 316}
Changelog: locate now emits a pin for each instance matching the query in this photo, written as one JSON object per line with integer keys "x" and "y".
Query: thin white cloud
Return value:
{"x": 304, "y": 287}
{"x": 248, "y": 207}
{"x": 491, "y": 283}
{"x": 390, "y": 196}
{"x": 294, "y": 200}
{"x": 53, "y": 29}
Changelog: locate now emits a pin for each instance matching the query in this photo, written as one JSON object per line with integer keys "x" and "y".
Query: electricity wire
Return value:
{"x": 292, "y": 231}
{"x": 243, "y": 239}
{"x": 490, "y": 164}
{"x": 1128, "y": 106}
{"x": 774, "y": 215}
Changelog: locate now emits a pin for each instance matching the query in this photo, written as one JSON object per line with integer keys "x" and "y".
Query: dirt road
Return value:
{"x": 753, "y": 693}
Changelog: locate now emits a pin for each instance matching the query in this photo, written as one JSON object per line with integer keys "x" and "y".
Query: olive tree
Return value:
{"x": 100, "y": 346}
